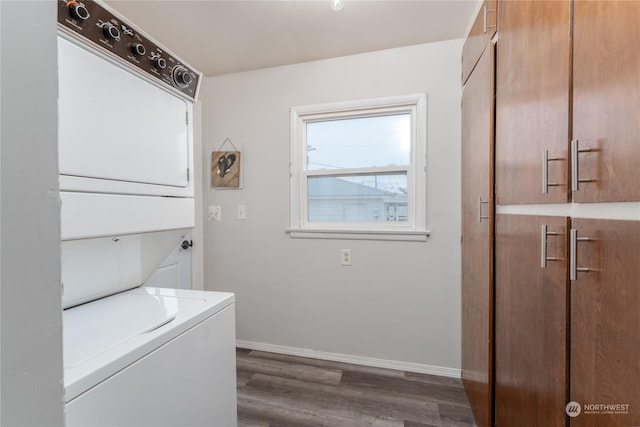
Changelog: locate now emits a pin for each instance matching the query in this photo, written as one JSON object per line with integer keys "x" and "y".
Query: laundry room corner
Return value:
{"x": 398, "y": 301}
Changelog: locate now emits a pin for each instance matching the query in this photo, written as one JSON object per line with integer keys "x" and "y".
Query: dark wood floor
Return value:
{"x": 276, "y": 390}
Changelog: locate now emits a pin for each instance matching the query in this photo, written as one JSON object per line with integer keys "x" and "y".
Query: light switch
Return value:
{"x": 242, "y": 212}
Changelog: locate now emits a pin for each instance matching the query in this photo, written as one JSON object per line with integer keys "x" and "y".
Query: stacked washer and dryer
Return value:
{"x": 133, "y": 355}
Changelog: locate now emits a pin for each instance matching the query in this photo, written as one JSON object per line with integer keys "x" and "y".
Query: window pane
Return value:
{"x": 359, "y": 142}
{"x": 359, "y": 198}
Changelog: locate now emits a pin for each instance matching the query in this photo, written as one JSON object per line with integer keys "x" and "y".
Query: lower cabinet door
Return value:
{"x": 531, "y": 321}
{"x": 605, "y": 323}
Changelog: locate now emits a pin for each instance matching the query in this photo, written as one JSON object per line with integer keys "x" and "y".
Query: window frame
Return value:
{"x": 415, "y": 228}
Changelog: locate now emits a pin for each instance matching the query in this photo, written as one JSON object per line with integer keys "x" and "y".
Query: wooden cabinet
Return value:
{"x": 531, "y": 320}
{"x": 483, "y": 29}
{"x": 535, "y": 256}
{"x": 477, "y": 237}
{"x": 605, "y": 323}
{"x": 532, "y": 101}
{"x": 566, "y": 292}
{"x": 567, "y": 108}
{"x": 606, "y": 100}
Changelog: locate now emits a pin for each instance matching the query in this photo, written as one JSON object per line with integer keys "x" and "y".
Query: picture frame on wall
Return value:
{"x": 225, "y": 167}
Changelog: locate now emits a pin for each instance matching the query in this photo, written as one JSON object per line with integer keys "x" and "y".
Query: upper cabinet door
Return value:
{"x": 606, "y": 101}
{"x": 532, "y": 102}
{"x": 483, "y": 29}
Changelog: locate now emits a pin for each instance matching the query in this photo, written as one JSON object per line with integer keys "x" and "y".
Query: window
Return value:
{"x": 358, "y": 169}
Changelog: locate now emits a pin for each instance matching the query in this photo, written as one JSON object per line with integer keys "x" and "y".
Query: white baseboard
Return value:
{"x": 356, "y": 360}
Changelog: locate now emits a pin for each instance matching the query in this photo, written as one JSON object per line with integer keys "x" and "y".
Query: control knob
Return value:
{"x": 110, "y": 31}
{"x": 78, "y": 10}
{"x": 138, "y": 49}
{"x": 160, "y": 63}
{"x": 181, "y": 76}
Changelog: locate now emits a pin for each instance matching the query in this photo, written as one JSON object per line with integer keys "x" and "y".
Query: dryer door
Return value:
{"x": 116, "y": 126}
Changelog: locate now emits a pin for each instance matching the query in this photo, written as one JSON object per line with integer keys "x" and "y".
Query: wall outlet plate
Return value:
{"x": 345, "y": 256}
{"x": 215, "y": 213}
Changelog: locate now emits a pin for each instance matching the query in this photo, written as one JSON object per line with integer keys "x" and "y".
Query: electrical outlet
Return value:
{"x": 215, "y": 213}
{"x": 345, "y": 257}
{"x": 242, "y": 212}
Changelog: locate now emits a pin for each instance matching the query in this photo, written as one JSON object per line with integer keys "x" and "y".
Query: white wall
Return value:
{"x": 31, "y": 315}
{"x": 400, "y": 301}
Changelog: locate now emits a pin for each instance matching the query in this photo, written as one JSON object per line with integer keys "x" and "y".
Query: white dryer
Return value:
{"x": 133, "y": 356}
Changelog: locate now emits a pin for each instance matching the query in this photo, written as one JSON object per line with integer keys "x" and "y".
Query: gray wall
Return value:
{"x": 30, "y": 309}
{"x": 400, "y": 301}
{"x": 197, "y": 250}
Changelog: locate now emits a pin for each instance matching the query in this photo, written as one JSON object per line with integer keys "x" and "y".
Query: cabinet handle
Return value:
{"x": 543, "y": 246}
{"x": 484, "y": 25}
{"x": 573, "y": 255}
{"x": 545, "y": 171}
{"x": 575, "y": 173}
{"x": 480, "y": 203}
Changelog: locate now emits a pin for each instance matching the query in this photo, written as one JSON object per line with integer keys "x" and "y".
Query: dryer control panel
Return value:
{"x": 110, "y": 33}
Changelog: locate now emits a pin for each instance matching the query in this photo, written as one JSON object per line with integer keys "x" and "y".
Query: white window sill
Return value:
{"x": 397, "y": 235}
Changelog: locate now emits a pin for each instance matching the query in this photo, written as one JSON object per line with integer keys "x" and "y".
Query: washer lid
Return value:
{"x": 105, "y": 336}
{"x": 94, "y": 328}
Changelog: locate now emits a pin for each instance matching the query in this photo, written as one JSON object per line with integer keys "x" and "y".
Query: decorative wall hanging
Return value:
{"x": 225, "y": 167}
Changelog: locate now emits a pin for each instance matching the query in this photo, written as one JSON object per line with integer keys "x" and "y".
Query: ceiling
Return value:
{"x": 220, "y": 37}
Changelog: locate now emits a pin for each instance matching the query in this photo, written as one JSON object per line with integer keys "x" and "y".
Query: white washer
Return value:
{"x": 151, "y": 357}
